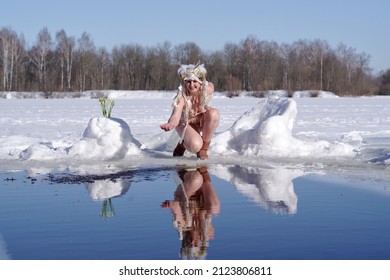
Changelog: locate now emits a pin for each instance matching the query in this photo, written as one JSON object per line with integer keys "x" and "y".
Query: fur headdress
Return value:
{"x": 192, "y": 72}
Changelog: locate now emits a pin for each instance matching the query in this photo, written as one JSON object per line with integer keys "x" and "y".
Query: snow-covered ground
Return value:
{"x": 39, "y": 133}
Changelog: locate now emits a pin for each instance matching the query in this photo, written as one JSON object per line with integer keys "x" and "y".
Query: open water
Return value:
{"x": 219, "y": 212}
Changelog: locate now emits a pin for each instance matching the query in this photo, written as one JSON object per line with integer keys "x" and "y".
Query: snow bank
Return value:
{"x": 13, "y": 145}
{"x": 106, "y": 138}
{"x": 327, "y": 131}
{"x": 314, "y": 93}
{"x": 42, "y": 150}
{"x": 266, "y": 131}
{"x": 103, "y": 139}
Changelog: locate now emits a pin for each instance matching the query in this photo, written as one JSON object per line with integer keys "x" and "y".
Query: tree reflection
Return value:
{"x": 195, "y": 203}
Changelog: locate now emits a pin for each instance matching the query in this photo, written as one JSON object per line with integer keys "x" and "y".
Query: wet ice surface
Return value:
{"x": 163, "y": 213}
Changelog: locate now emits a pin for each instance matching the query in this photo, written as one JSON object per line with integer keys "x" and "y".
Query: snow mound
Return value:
{"x": 266, "y": 130}
{"x": 106, "y": 138}
{"x": 42, "y": 150}
{"x": 103, "y": 139}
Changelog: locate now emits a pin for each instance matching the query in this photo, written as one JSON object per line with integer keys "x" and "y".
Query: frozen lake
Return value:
{"x": 324, "y": 195}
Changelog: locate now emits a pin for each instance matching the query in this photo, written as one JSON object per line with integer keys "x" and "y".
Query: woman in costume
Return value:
{"x": 193, "y": 118}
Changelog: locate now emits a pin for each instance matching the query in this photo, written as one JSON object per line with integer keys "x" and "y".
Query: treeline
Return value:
{"x": 64, "y": 63}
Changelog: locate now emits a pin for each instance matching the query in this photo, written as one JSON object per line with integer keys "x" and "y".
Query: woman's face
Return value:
{"x": 192, "y": 86}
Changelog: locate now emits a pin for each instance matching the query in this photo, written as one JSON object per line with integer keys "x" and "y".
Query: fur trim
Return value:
{"x": 192, "y": 72}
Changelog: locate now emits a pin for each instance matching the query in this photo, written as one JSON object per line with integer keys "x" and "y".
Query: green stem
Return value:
{"x": 104, "y": 102}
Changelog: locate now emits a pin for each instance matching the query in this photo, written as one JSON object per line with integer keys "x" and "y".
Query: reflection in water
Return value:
{"x": 109, "y": 188}
{"x": 107, "y": 212}
{"x": 105, "y": 187}
{"x": 271, "y": 189}
{"x": 105, "y": 190}
{"x": 195, "y": 202}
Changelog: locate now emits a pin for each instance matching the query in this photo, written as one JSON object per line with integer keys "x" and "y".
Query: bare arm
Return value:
{"x": 174, "y": 119}
{"x": 210, "y": 88}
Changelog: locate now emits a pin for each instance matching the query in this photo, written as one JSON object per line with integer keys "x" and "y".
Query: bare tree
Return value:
{"x": 65, "y": 46}
{"x": 233, "y": 79}
{"x": 86, "y": 58}
{"x": 5, "y": 55}
{"x": 104, "y": 62}
{"x": 128, "y": 63}
{"x": 38, "y": 56}
{"x": 384, "y": 88}
{"x": 12, "y": 52}
{"x": 158, "y": 68}
{"x": 268, "y": 67}
{"x": 251, "y": 64}
{"x": 285, "y": 51}
{"x": 246, "y": 58}
{"x": 216, "y": 69}
{"x": 188, "y": 53}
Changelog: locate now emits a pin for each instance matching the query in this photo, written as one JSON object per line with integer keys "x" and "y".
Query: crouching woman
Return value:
{"x": 192, "y": 116}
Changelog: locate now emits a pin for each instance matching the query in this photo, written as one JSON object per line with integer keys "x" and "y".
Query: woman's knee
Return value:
{"x": 213, "y": 115}
{"x": 194, "y": 144}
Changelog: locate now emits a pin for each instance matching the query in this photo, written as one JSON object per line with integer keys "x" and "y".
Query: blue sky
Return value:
{"x": 362, "y": 25}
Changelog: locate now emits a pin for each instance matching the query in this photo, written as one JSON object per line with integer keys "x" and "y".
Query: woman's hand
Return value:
{"x": 174, "y": 119}
{"x": 167, "y": 126}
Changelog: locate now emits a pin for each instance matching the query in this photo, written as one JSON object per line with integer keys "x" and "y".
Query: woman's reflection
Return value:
{"x": 195, "y": 202}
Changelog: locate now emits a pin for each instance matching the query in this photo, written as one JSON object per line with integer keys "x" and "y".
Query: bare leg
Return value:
{"x": 193, "y": 181}
{"x": 194, "y": 141}
{"x": 210, "y": 124}
{"x": 192, "y": 138}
